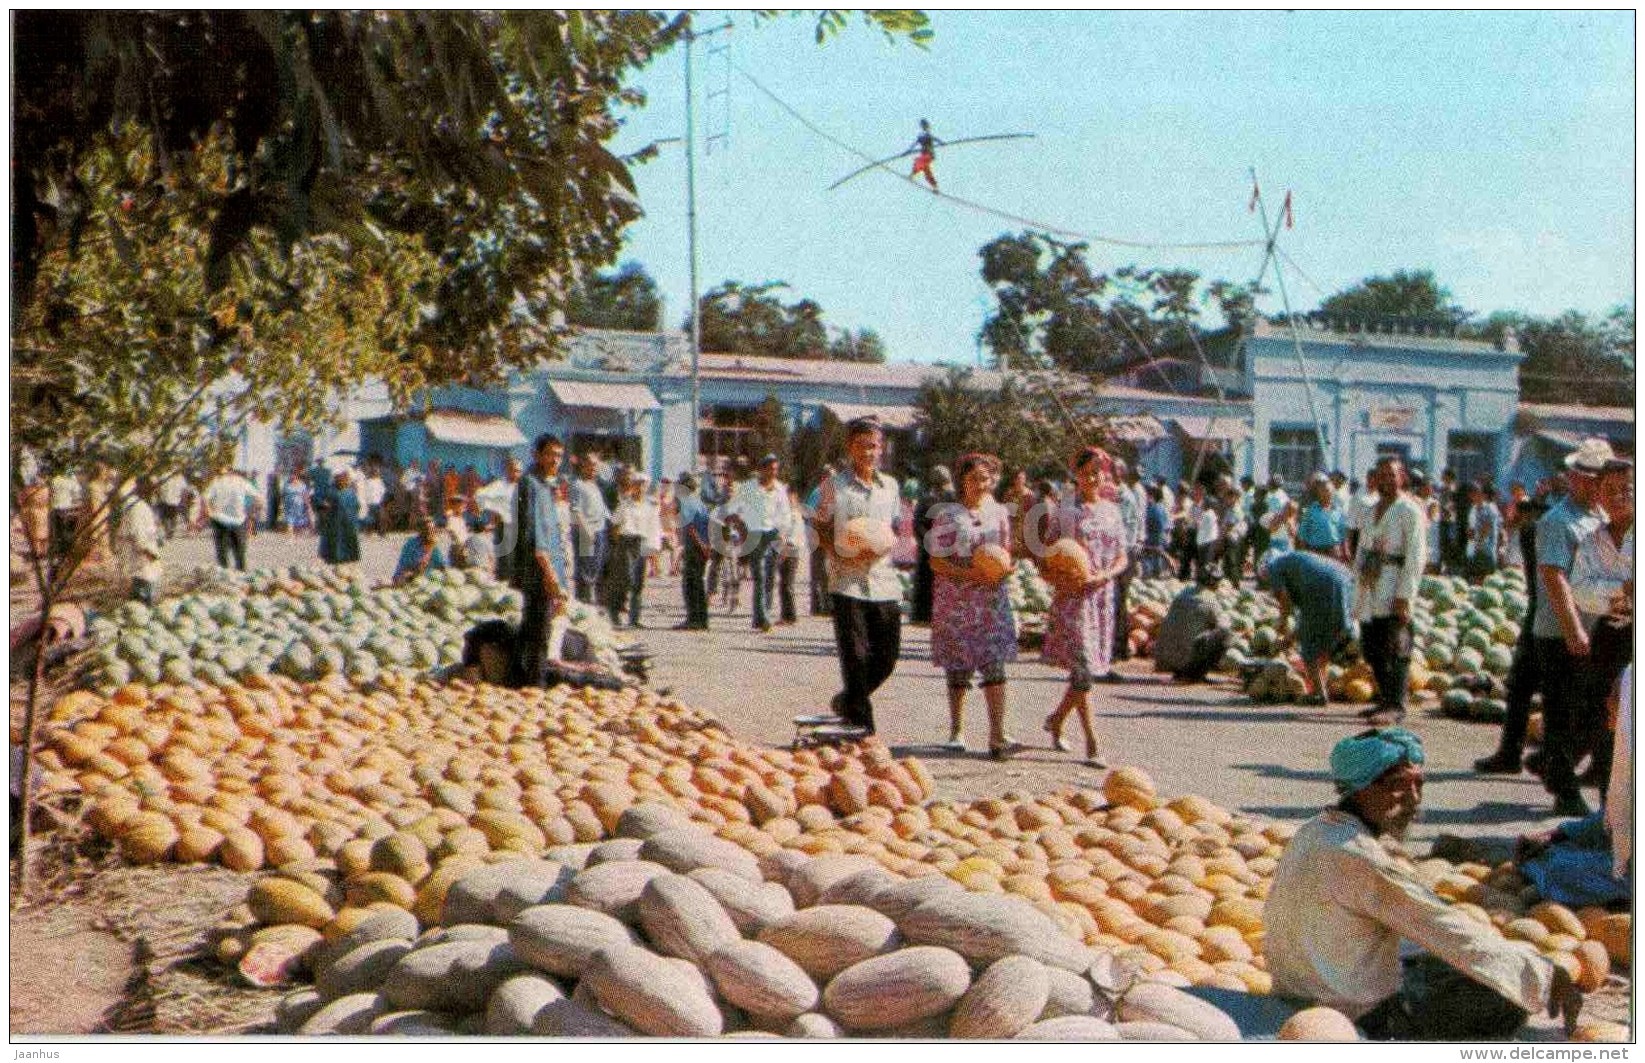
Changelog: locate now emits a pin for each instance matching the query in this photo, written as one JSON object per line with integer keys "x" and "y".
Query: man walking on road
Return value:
{"x": 855, "y": 521}
{"x": 693, "y": 517}
{"x": 761, "y": 505}
{"x": 1393, "y": 551}
{"x": 230, "y": 500}
{"x": 589, "y": 517}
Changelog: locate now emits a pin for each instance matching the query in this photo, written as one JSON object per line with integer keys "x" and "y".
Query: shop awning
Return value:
{"x": 1134, "y": 428}
{"x": 897, "y": 417}
{"x": 473, "y": 429}
{"x": 1231, "y": 429}
{"x": 600, "y": 395}
{"x": 1560, "y": 440}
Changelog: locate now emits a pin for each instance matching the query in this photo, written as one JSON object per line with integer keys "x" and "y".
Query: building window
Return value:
{"x": 1294, "y": 454}
{"x": 1470, "y": 456}
{"x": 727, "y": 433}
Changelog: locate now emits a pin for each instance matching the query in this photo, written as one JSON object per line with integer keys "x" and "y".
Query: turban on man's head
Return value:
{"x": 1359, "y": 761}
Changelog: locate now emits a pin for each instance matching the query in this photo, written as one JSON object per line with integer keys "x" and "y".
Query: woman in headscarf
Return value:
{"x": 1080, "y": 632}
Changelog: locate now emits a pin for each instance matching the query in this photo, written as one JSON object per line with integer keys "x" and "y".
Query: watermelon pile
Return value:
{"x": 308, "y": 623}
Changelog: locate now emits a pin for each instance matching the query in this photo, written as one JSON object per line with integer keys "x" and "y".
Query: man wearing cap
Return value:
{"x": 1345, "y": 895}
{"x": 867, "y": 594}
{"x": 1393, "y": 551}
{"x": 1562, "y": 642}
{"x": 761, "y": 506}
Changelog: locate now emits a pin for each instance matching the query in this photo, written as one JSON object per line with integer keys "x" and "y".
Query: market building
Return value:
{"x": 1271, "y": 400}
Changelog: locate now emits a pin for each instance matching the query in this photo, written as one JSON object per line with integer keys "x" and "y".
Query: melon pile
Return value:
{"x": 307, "y": 623}
{"x": 272, "y": 772}
{"x": 1463, "y": 637}
{"x": 668, "y": 931}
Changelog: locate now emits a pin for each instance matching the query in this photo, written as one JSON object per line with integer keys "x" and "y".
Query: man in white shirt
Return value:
{"x": 1133, "y": 505}
{"x": 497, "y": 499}
{"x": 231, "y": 502}
{"x": 1393, "y": 550}
{"x": 140, "y": 546}
{"x": 761, "y": 505}
{"x": 171, "y": 502}
{"x": 589, "y": 518}
{"x": 636, "y": 534}
{"x": 68, "y": 498}
{"x": 1207, "y": 535}
{"x": 372, "y": 492}
{"x": 1345, "y": 896}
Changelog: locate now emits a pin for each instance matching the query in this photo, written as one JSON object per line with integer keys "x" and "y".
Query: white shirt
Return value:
{"x": 1340, "y": 904}
{"x": 1360, "y": 508}
{"x": 229, "y": 498}
{"x": 1207, "y": 529}
{"x": 66, "y": 492}
{"x": 762, "y": 509}
{"x": 1619, "y": 798}
{"x": 371, "y": 491}
{"x": 498, "y": 497}
{"x": 845, "y": 498}
{"x": 171, "y": 491}
{"x": 639, "y": 518}
{"x": 140, "y": 541}
{"x": 1598, "y": 572}
{"x": 1402, "y": 532}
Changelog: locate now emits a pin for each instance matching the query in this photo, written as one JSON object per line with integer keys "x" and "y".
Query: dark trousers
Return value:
{"x": 144, "y": 591}
{"x": 1205, "y": 559}
{"x": 693, "y": 569}
{"x": 586, "y": 579}
{"x": 821, "y": 603}
{"x": 924, "y": 585}
{"x": 1436, "y": 1002}
{"x": 1522, "y": 685}
{"x": 230, "y": 540}
{"x": 762, "y": 564}
{"x": 625, "y": 577}
{"x": 535, "y": 618}
{"x": 787, "y": 569}
{"x": 1562, "y": 705}
{"x": 869, "y": 637}
{"x": 62, "y": 528}
{"x": 1385, "y": 642}
{"x": 1182, "y": 545}
{"x": 168, "y": 518}
{"x": 1206, "y": 654}
{"x": 1611, "y": 650}
{"x": 1122, "y": 619}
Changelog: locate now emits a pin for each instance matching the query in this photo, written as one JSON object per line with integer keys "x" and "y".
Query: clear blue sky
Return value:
{"x": 1495, "y": 148}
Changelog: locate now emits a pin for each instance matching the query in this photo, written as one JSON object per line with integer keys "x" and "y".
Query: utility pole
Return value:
{"x": 691, "y": 36}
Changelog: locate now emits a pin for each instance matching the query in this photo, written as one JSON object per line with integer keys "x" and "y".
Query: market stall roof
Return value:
{"x": 1134, "y": 428}
{"x": 604, "y": 395}
{"x": 473, "y": 429}
{"x": 898, "y": 417}
{"x": 1561, "y": 440}
{"x": 1231, "y": 429}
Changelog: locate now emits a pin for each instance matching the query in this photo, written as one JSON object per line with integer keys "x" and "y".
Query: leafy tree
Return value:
{"x": 1032, "y": 422}
{"x": 1053, "y": 310}
{"x": 624, "y": 299}
{"x": 1408, "y": 295}
{"x": 751, "y": 319}
{"x": 1572, "y": 357}
{"x": 139, "y": 359}
{"x": 770, "y": 431}
{"x": 863, "y": 345}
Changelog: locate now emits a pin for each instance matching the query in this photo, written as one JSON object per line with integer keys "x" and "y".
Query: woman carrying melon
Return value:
{"x": 972, "y": 630}
{"x": 1087, "y": 552}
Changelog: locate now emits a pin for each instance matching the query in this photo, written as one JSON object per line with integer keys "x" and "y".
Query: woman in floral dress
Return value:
{"x": 972, "y": 630}
{"x": 1080, "y": 632}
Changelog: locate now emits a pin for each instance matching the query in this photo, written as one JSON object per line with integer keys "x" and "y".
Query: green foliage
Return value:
{"x": 1573, "y": 357}
{"x": 1053, "y": 310}
{"x": 815, "y": 445}
{"x": 1035, "y": 421}
{"x": 1405, "y": 295}
{"x": 770, "y": 431}
{"x": 911, "y": 24}
{"x": 624, "y": 299}
{"x": 751, "y": 319}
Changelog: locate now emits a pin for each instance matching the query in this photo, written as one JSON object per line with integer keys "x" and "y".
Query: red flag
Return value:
{"x": 1256, "y": 194}
{"x": 1290, "y": 221}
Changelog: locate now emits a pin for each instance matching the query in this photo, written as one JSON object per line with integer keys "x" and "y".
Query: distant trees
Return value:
{"x": 752, "y": 319}
{"x": 626, "y": 298}
{"x": 1411, "y": 295}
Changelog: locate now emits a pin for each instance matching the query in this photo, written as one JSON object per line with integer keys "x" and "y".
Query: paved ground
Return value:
{"x": 1203, "y": 738}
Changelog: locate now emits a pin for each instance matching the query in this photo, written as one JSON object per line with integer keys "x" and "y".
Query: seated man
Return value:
{"x": 1194, "y": 634}
{"x": 491, "y": 655}
{"x": 422, "y": 553}
{"x": 1319, "y": 590}
{"x": 1344, "y": 897}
